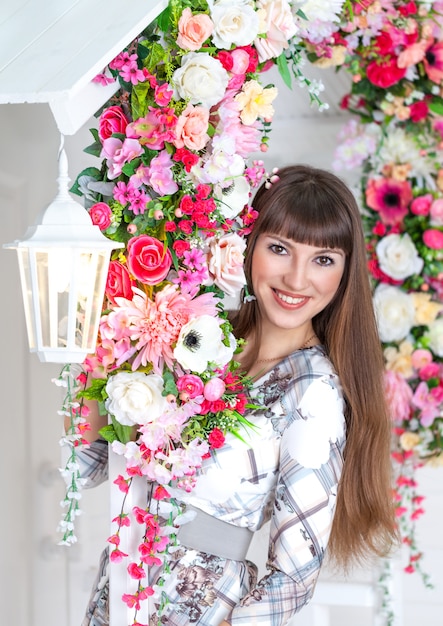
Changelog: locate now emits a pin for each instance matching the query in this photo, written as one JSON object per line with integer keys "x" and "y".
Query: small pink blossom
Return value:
{"x": 214, "y": 389}
{"x": 136, "y": 571}
{"x": 421, "y": 205}
{"x": 433, "y": 239}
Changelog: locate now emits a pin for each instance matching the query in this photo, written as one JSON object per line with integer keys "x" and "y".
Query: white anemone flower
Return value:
{"x": 233, "y": 197}
{"x": 200, "y": 344}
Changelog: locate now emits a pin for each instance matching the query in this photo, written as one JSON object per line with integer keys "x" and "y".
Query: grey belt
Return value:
{"x": 206, "y": 533}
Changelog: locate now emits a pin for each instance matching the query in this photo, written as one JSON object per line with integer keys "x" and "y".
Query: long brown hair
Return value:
{"x": 315, "y": 207}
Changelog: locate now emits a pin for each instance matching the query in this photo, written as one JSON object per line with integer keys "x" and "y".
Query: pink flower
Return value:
{"x": 112, "y": 120}
{"x": 433, "y": 62}
{"x": 155, "y": 128}
{"x": 433, "y": 239}
{"x": 280, "y": 28}
{"x": 385, "y": 74}
{"x": 436, "y": 213}
{"x": 148, "y": 259}
{"x": 399, "y": 396}
{"x": 420, "y": 358}
{"x": 191, "y": 128}
{"x": 421, "y": 205}
{"x": 117, "y": 556}
{"x": 390, "y": 197}
{"x": 214, "y": 389}
{"x": 118, "y": 152}
{"x": 419, "y": 111}
{"x": 136, "y": 571}
{"x": 191, "y": 384}
{"x": 122, "y": 483}
{"x": 101, "y": 215}
{"x": 160, "y": 175}
{"x": 119, "y": 282}
{"x": 193, "y": 30}
{"x": 225, "y": 263}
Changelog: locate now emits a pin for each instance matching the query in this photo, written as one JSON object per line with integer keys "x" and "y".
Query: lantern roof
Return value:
{"x": 50, "y": 50}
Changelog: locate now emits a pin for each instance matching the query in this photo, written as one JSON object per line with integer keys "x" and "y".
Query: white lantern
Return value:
{"x": 63, "y": 261}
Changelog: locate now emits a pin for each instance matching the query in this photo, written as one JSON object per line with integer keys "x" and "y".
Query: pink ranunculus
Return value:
{"x": 419, "y": 111}
{"x": 421, "y": 205}
{"x": 436, "y": 213}
{"x": 148, "y": 259}
{"x": 216, "y": 438}
{"x": 385, "y": 74}
{"x": 240, "y": 61}
{"x": 225, "y": 263}
{"x": 112, "y": 120}
{"x": 193, "y": 30}
{"x": 119, "y": 282}
{"x": 191, "y": 128}
{"x": 214, "y": 389}
{"x": 428, "y": 371}
{"x": 190, "y": 384}
{"x": 101, "y": 215}
{"x": 433, "y": 238}
{"x": 420, "y": 358}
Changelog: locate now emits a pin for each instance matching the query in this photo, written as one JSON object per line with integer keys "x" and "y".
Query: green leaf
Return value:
{"x": 139, "y": 102}
{"x": 94, "y": 391}
{"x": 157, "y": 55}
{"x": 436, "y": 105}
{"x": 94, "y": 149}
{"x": 108, "y": 433}
{"x": 129, "y": 168}
{"x": 169, "y": 384}
{"x": 164, "y": 19}
{"x": 123, "y": 433}
{"x": 282, "y": 64}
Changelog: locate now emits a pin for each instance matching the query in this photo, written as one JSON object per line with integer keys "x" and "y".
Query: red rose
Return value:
{"x": 419, "y": 111}
{"x": 148, "y": 259}
{"x": 119, "y": 283}
{"x": 216, "y": 438}
{"x": 101, "y": 215}
{"x": 225, "y": 59}
{"x": 112, "y": 120}
{"x": 385, "y": 74}
{"x": 180, "y": 247}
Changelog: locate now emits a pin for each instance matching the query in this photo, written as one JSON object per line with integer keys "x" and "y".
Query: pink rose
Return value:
{"x": 216, "y": 438}
{"x": 191, "y": 128}
{"x": 280, "y": 29}
{"x": 436, "y": 213}
{"x": 119, "y": 282}
{"x": 193, "y": 30}
{"x": 112, "y": 120}
{"x": 101, "y": 215}
{"x": 240, "y": 60}
{"x": 421, "y": 205}
{"x": 433, "y": 239}
{"x": 148, "y": 259}
{"x": 225, "y": 263}
{"x": 214, "y": 389}
{"x": 190, "y": 384}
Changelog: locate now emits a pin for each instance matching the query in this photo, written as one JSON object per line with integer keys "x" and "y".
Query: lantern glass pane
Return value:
{"x": 26, "y": 283}
{"x": 90, "y": 296}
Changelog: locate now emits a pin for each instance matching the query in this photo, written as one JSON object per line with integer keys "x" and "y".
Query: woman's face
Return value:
{"x": 293, "y": 281}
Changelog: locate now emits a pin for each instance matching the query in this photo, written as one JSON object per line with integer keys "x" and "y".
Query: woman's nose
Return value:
{"x": 297, "y": 277}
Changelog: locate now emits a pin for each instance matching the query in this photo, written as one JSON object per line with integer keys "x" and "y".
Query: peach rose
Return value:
{"x": 193, "y": 30}
{"x": 191, "y": 127}
{"x": 225, "y": 263}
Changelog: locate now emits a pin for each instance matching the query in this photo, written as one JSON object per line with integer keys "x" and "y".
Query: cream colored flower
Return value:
{"x": 395, "y": 312}
{"x": 337, "y": 58}
{"x": 435, "y": 336}
{"x": 426, "y": 311}
{"x": 135, "y": 397}
{"x": 400, "y": 360}
{"x": 255, "y": 101}
{"x": 409, "y": 441}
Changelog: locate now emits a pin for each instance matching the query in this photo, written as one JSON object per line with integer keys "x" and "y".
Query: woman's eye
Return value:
{"x": 277, "y": 248}
{"x": 325, "y": 260}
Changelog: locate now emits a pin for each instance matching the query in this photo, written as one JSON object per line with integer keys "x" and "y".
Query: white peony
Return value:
{"x": 395, "y": 312}
{"x": 201, "y": 79}
{"x": 398, "y": 256}
{"x": 234, "y": 23}
{"x": 435, "y": 336}
{"x": 200, "y": 344}
{"x": 135, "y": 397}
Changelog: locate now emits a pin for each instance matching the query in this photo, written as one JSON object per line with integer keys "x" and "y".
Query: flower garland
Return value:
{"x": 393, "y": 51}
{"x": 174, "y": 185}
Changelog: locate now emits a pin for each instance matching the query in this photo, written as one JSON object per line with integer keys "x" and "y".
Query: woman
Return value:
{"x": 317, "y": 465}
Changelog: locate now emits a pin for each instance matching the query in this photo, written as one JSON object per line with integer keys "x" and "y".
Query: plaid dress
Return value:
{"x": 287, "y": 470}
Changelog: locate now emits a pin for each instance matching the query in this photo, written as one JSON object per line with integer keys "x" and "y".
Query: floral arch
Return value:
{"x": 179, "y": 157}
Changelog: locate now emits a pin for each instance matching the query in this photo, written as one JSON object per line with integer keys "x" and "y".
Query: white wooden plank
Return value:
{"x": 7, "y": 9}
{"x": 72, "y": 50}
{"x": 25, "y": 25}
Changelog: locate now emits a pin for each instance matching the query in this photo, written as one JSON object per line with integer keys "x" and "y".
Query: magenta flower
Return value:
{"x": 433, "y": 238}
{"x": 433, "y": 62}
{"x": 390, "y": 197}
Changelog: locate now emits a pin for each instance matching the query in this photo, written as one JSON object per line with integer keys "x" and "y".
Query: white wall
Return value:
{"x": 45, "y": 584}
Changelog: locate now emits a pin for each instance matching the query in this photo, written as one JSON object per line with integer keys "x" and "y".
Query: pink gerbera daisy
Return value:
{"x": 433, "y": 62}
{"x": 390, "y": 198}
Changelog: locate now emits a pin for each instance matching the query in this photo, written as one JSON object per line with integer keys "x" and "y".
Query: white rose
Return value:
{"x": 135, "y": 398}
{"x": 225, "y": 263}
{"x": 200, "y": 345}
{"x": 279, "y": 28}
{"x": 395, "y": 312}
{"x": 234, "y": 23}
{"x": 398, "y": 256}
{"x": 435, "y": 336}
{"x": 201, "y": 79}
